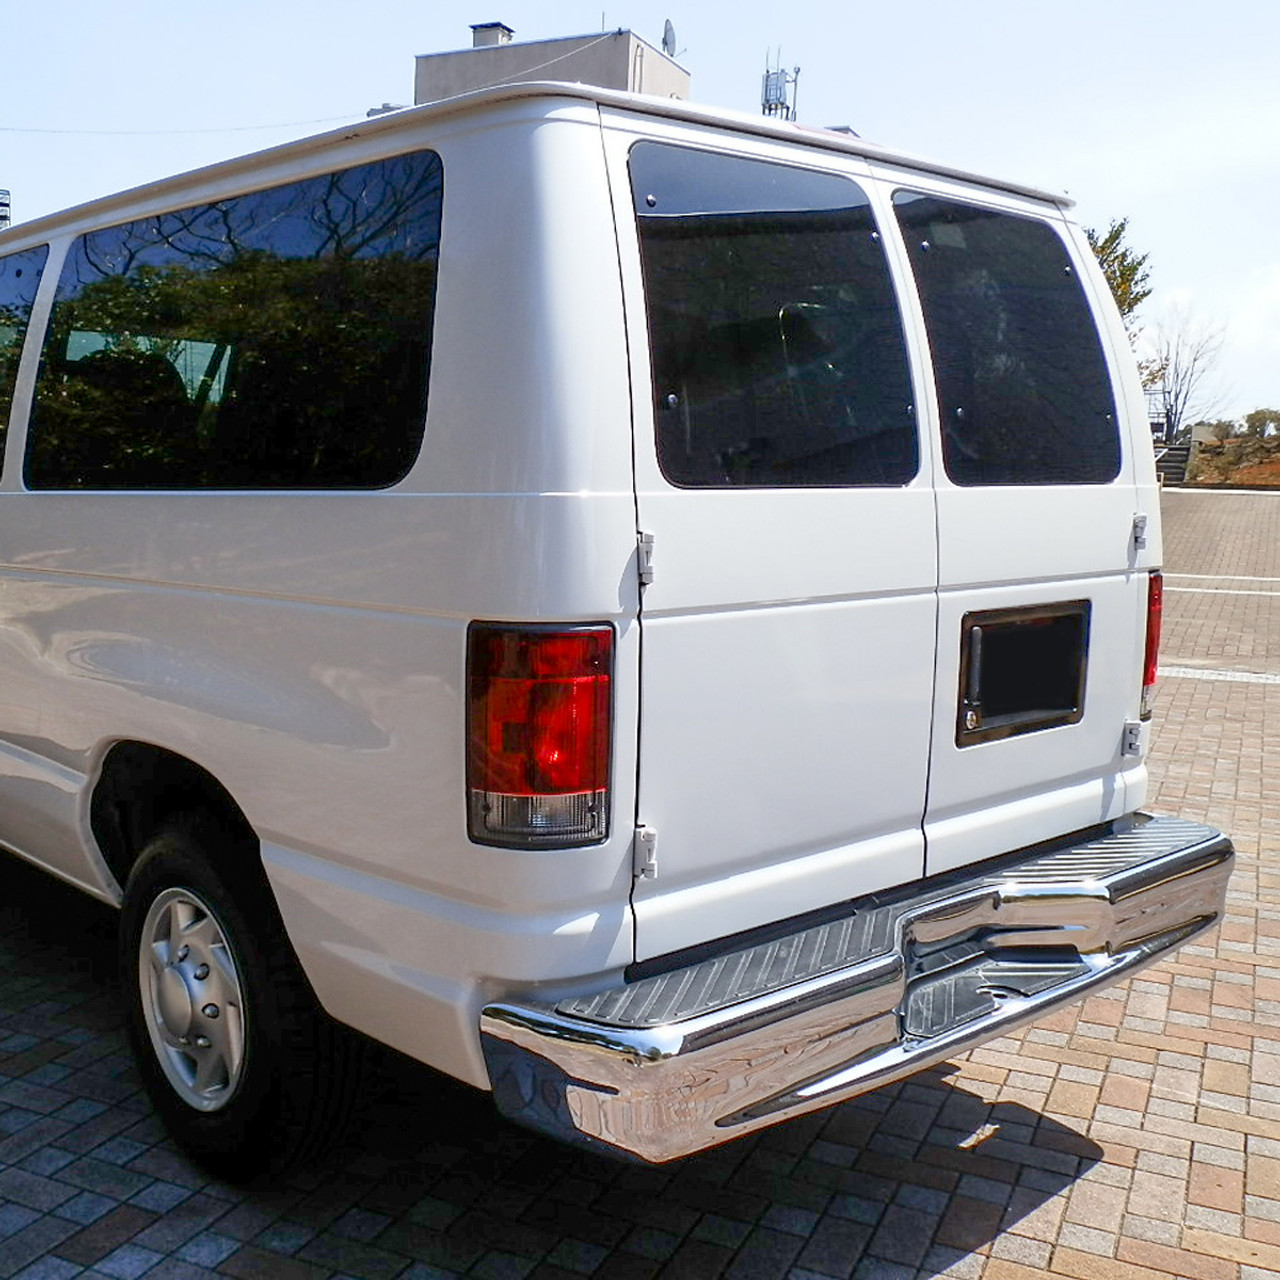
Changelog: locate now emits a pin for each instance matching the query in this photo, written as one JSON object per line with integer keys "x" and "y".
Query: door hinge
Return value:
{"x": 1139, "y": 530}
{"x": 644, "y": 558}
{"x": 1135, "y": 738}
{"x": 644, "y": 856}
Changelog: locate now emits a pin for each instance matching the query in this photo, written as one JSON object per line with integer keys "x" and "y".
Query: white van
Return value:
{"x": 648, "y": 610}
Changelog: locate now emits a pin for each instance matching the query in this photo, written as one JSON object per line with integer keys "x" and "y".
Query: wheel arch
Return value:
{"x": 140, "y": 787}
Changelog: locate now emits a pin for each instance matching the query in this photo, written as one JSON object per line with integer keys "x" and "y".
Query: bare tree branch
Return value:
{"x": 1184, "y": 357}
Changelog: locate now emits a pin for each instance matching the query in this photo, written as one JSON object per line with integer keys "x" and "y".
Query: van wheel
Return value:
{"x": 243, "y": 1066}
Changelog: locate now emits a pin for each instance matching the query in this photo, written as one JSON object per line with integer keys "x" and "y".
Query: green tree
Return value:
{"x": 323, "y": 355}
{"x": 1126, "y": 271}
{"x": 1262, "y": 422}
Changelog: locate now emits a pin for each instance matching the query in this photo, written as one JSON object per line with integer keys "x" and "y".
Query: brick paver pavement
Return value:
{"x": 1136, "y": 1137}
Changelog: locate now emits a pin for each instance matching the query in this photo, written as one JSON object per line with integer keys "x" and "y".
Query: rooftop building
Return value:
{"x": 611, "y": 60}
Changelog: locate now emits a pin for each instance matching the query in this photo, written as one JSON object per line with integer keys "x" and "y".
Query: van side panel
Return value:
{"x": 308, "y": 649}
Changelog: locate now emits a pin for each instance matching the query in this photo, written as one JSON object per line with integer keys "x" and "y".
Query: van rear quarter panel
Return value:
{"x": 308, "y": 649}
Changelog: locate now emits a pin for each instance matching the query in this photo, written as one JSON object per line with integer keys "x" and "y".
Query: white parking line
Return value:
{"x": 1218, "y": 591}
{"x": 1220, "y": 577}
{"x": 1209, "y": 673}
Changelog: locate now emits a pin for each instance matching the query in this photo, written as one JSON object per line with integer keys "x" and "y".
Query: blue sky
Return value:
{"x": 1167, "y": 113}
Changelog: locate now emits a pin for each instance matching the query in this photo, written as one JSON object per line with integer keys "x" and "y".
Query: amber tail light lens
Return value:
{"x": 539, "y": 704}
{"x": 1150, "y": 665}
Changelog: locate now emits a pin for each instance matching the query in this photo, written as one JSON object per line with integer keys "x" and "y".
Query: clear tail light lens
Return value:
{"x": 539, "y": 705}
{"x": 1151, "y": 662}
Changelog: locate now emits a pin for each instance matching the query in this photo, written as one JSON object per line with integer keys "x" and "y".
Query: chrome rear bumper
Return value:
{"x": 682, "y": 1060}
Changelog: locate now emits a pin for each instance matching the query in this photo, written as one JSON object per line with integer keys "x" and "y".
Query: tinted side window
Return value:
{"x": 273, "y": 340}
{"x": 777, "y": 345}
{"x": 1023, "y": 388}
{"x": 19, "y": 280}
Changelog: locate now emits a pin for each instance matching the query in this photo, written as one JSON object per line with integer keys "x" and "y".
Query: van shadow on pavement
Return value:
{"x": 901, "y": 1182}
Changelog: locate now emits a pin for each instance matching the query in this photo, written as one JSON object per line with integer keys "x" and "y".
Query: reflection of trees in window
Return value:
{"x": 19, "y": 279}
{"x": 279, "y": 339}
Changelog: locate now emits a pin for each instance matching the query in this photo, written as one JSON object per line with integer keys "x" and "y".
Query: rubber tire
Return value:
{"x": 300, "y": 1071}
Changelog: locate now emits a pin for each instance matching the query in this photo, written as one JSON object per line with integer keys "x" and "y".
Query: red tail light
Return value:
{"x": 1155, "y": 613}
{"x": 538, "y": 732}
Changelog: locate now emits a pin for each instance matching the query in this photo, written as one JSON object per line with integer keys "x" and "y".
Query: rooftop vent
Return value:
{"x": 484, "y": 34}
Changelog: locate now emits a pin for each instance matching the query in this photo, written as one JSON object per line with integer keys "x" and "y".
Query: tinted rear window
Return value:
{"x": 19, "y": 280}
{"x": 274, "y": 340}
{"x": 777, "y": 346}
{"x": 1023, "y": 388}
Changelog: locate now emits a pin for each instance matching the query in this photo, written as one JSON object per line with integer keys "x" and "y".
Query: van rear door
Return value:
{"x": 788, "y": 628}
{"x": 1041, "y": 606}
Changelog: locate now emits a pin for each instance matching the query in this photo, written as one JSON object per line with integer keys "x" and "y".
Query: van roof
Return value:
{"x": 105, "y": 207}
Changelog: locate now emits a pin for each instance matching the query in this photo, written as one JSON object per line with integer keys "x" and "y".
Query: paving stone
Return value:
{"x": 42, "y": 1131}
{"x": 106, "y": 1179}
{"x": 83, "y": 1138}
{"x": 877, "y": 1269}
{"x": 434, "y": 1247}
{"x": 16, "y": 1119}
{"x": 799, "y": 1222}
{"x": 835, "y": 1246}
{"x": 903, "y": 1235}
{"x": 580, "y": 1256}
{"x": 721, "y": 1231}
{"x": 502, "y": 1266}
{"x": 172, "y": 1167}
{"x": 284, "y": 1237}
{"x": 352, "y": 1257}
{"x": 32, "y": 1243}
{"x": 952, "y": 1263}
{"x": 14, "y": 1217}
{"x": 628, "y": 1266}
{"x": 698, "y": 1260}
{"x": 421, "y": 1271}
{"x": 360, "y": 1224}
{"x": 93, "y": 1243}
{"x": 46, "y": 1161}
{"x": 182, "y": 1222}
{"x": 160, "y": 1196}
{"x": 32, "y": 1190}
{"x": 50, "y": 1268}
{"x": 245, "y": 1221}
{"x": 172, "y": 1268}
{"x": 86, "y": 1207}
{"x": 1023, "y": 1250}
{"x": 248, "y": 1263}
{"x": 764, "y": 1255}
{"x": 208, "y": 1248}
{"x": 128, "y": 1262}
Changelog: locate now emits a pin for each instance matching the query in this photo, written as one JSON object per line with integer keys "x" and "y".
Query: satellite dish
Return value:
{"x": 669, "y": 40}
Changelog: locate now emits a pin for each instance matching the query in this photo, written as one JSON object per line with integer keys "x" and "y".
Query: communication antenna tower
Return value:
{"x": 778, "y": 91}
